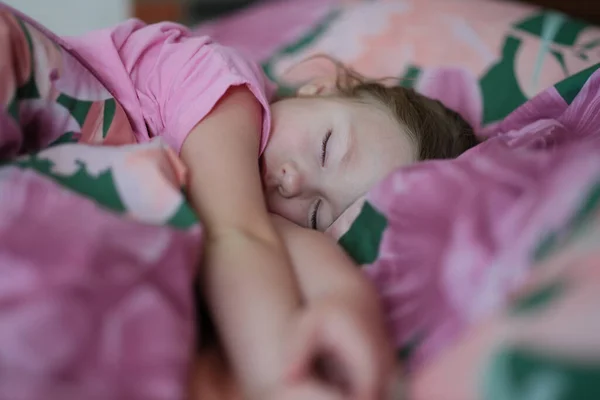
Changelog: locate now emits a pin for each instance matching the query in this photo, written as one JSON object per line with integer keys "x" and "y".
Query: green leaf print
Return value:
{"x": 79, "y": 109}
{"x": 310, "y": 37}
{"x": 362, "y": 240}
{"x": 561, "y": 60}
{"x": 547, "y": 246}
{"x": 569, "y": 88}
{"x": 553, "y": 21}
{"x": 184, "y": 218}
{"x": 410, "y": 77}
{"x": 501, "y": 91}
{"x": 519, "y": 374}
{"x": 69, "y": 137}
{"x": 100, "y": 189}
{"x": 538, "y": 299}
{"x": 566, "y": 35}
{"x": 29, "y": 90}
{"x": 110, "y": 108}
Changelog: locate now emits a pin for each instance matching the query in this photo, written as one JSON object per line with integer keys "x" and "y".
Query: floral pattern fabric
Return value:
{"x": 97, "y": 246}
{"x": 487, "y": 265}
{"x": 483, "y": 58}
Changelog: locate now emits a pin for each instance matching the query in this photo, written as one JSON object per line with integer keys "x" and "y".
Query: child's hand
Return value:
{"x": 347, "y": 345}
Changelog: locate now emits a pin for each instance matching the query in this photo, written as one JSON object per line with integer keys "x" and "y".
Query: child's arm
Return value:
{"x": 168, "y": 79}
{"x": 344, "y": 316}
{"x": 246, "y": 276}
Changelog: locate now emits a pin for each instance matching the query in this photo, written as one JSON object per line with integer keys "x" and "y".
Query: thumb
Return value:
{"x": 303, "y": 348}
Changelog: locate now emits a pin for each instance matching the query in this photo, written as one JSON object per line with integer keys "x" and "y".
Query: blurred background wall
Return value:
{"x": 74, "y": 17}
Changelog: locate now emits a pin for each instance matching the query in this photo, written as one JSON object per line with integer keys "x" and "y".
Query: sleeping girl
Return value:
{"x": 279, "y": 309}
{"x": 329, "y": 145}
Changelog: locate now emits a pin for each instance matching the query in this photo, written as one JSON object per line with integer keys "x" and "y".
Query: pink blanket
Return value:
{"x": 462, "y": 235}
{"x": 98, "y": 246}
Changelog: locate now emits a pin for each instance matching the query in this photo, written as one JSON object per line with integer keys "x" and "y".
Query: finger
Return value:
{"x": 355, "y": 356}
{"x": 303, "y": 349}
{"x": 378, "y": 370}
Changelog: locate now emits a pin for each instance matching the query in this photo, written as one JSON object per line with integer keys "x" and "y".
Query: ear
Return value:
{"x": 318, "y": 87}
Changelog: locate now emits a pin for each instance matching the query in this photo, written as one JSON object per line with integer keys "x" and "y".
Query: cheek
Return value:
{"x": 276, "y": 149}
{"x": 374, "y": 165}
{"x": 291, "y": 209}
{"x": 287, "y": 145}
{"x": 397, "y": 151}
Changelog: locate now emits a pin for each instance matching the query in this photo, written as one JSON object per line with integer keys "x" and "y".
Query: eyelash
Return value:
{"x": 324, "y": 148}
{"x": 313, "y": 217}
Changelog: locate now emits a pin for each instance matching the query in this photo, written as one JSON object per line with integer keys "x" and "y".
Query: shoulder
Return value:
{"x": 204, "y": 74}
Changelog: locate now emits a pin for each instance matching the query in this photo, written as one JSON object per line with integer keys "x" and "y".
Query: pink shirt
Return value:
{"x": 167, "y": 79}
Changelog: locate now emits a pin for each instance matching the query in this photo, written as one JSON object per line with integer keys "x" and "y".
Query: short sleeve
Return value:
{"x": 179, "y": 78}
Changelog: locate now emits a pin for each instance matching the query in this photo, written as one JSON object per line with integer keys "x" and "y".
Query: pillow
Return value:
{"x": 481, "y": 58}
{"x": 446, "y": 242}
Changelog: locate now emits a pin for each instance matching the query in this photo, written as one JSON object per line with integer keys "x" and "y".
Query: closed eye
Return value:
{"x": 324, "y": 147}
{"x": 314, "y": 216}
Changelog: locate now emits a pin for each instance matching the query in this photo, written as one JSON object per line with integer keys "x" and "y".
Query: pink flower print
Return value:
{"x": 143, "y": 337}
{"x": 530, "y": 80}
{"x": 79, "y": 83}
{"x": 148, "y": 180}
{"x": 343, "y": 38}
{"x": 455, "y": 373}
{"x": 44, "y": 334}
{"x": 118, "y": 133}
{"x": 288, "y": 21}
{"x": 585, "y": 52}
{"x": 82, "y": 85}
{"x": 91, "y": 131}
{"x": 469, "y": 34}
{"x": 564, "y": 328}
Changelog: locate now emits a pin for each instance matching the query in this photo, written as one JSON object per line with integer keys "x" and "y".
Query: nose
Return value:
{"x": 290, "y": 181}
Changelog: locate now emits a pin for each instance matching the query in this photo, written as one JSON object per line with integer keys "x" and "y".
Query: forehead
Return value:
{"x": 374, "y": 118}
{"x": 375, "y": 127}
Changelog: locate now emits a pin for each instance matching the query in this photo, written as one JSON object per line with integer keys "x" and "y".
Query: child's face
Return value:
{"x": 325, "y": 152}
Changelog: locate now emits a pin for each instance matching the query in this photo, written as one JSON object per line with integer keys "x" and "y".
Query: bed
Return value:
{"x": 487, "y": 265}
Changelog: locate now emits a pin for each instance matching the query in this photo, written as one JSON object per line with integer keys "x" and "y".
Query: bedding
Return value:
{"x": 97, "y": 246}
{"x": 483, "y": 58}
{"x": 451, "y": 244}
{"x": 487, "y": 265}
